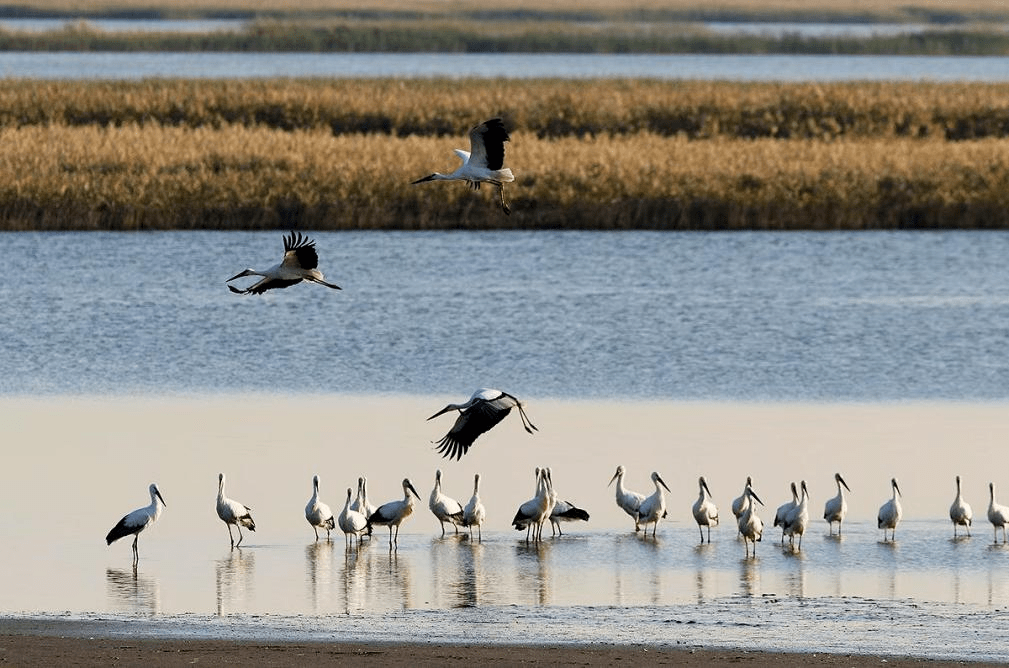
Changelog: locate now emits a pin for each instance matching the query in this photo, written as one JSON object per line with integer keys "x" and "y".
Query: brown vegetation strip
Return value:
{"x": 587, "y": 155}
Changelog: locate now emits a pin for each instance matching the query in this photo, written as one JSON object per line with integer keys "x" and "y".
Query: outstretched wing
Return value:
{"x": 487, "y": 144}
{"x": 468, "y": 426}
{"x": 300, "y": 252}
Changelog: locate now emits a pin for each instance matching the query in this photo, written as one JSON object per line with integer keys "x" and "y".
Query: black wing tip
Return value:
{"x": 295, "y": 240}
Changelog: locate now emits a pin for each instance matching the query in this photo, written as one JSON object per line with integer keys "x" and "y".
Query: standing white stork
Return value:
{"x": 361, "y": 503}
{"x": 233, "y": 512}
{"x": 299, "y": 264}
{"x": 626, "y": 499}
{"x": 352, "y": 522}
{"x": 444, "y": 507}
{"x": 533, "y": 513}
{"x": 137, "y": 521}
{"x": 960, "y": 512}
{"x": 393, "y": 513}
{"x": 704, "y": 509}
{"x": 484, "y": 409}
{"x": 797, "y": 519}
{"x": 890, "y": 512}
{"x": 484, "y": 163}
{"x": 739, "y": 504}
{"x": 562, "y": 511}
{"x": 998, "y": 515}
{"x": 653, "y": 508}
{"x": 837, "y": 507}
{"x": 751, "y": 527}
{"x": 318, "y": 513}
{"x": 783, "y": 510}
{"x": 474, "y": 513}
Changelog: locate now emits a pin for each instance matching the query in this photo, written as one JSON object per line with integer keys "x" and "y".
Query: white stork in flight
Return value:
{"x": 483, "y": 410}
{"x": 484, "y": 162}
{"x": 299, "y": 264}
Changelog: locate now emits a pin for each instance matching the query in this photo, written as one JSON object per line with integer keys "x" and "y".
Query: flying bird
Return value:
{"x": 137, "y": 521}
{"x": 484, "y": 162}
{"x": 299, "y": 264}
{"x": 233, "y": 512}
{"x": 483, "y": 410}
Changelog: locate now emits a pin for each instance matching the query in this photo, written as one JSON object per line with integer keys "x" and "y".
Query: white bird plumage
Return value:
{"x": 627, "y": 500}
{"x": 484, "y": 162}
{"x": 890, "y": 512}
{"x": 393, "y": 513}
{"x": 835, "y": 509}
{"x": 138, "y": 520}
{"x": 533, "y": 513}
{"x": 751, "y": 527}
{"x": 784, "y": 509}
{"x": 474, "y": 513}
{"x": 352, "y": 522}
{"x": 318, "y": 513}
{"x": 444, "y": 507}
{"x": 704, "y": 509}
{"x": 653, "y": 509}
{"x": 797, "y": 519}
{"x": 233, "y": 513}
{"x": 960, "y": 512}
{"x": 562, "y": 511}
{"x": 739, "y": 504}
{"x": 299, "y": 264}
{"x": 484, "y": 409}
{"x": 998, "y": 514}
{"x": 361, "y": 503}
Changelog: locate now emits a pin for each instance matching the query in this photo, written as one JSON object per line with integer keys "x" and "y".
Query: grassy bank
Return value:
{"x": 589, "y": 155}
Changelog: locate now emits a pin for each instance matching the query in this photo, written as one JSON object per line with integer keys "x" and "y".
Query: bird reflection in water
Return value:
{"x": 318, "y": 568}
{"x": 749, "y": 577}
{"x": 234, "y": 577}
{"x": 534, "y": 569}
{"x": 471, "y": 582}
{"x": 388, "y": 580}
{"x": 355, "y": 577}
{"x": 796, "y": 580}
{"x": 133, "y": 593}
{"x": 701, "y": 552}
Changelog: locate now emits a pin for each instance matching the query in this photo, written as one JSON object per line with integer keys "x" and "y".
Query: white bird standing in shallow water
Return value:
{"x": 318, "y": 513}
{"x": 890, "y": 512}
{"x": 533, "y": 513}
{"x": 751, "y": 527}
{"x": 137, "y": 521}
{"x": 653, "y": 508}
{"x": 473, "y": 514}
{"x": 393, "y": 513}
{"x": 797, "y": 519}
{"x": 361, "y": 503}
{"x": 484, "y": 163}
{"x": 704, "y": 509}
{"x": 739, "y": 504}
{"x": 837, "y": 507}
{"x": 484, "y": 409}
{"x": 783, "y": 510}
{"x": 562, "y": 511}
{"x": 626, "y": 499}
{"x": 351, "y": 522}
{"x": 444, "y": 507}
{"x": 233, "y": 512}
{"x": 998, "y": 514}
{"x": 960, "y": 512}
{"x": 299, "y": 264}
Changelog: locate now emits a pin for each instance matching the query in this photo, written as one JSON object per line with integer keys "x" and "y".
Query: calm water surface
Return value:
{"x": 95, "y": 65}
{"x": 763, "y": 316}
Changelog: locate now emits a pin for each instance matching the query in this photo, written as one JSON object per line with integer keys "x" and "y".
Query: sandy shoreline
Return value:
{"x": 34, "y": 642}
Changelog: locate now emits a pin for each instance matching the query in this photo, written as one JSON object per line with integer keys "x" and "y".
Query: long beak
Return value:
{"x": 754, "y": 495}
{"x": 705, "y": 486}
{"x": 450, "y": 407}
{"x": 422, "y": 180}
{"x": 246, "y": 272}
{"x": 615, "y": 476}
{"x": 663, "y": 483}
{"x": 410, "y": 487}
{"x": 162, "y": 500}
{"x": 897, "y": 488}
{"x": 844, "y": 483}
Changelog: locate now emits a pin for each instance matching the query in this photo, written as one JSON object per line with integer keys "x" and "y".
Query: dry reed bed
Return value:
{"x": 547, "y": 108}
{"x": 157, "y": 177}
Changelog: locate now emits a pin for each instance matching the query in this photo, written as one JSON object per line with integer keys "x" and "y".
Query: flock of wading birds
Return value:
{"x": 484, "y": 163}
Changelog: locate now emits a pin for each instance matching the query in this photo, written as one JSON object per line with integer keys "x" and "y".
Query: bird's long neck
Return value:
{"x": 346, "y": 506}
{"x": 220, "y": 490}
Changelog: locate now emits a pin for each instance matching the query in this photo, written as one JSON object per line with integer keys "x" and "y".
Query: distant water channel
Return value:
{"x": 127, "y": 66}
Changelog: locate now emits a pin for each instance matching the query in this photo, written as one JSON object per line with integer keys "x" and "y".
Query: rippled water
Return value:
{"x": 841, "y": 316}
